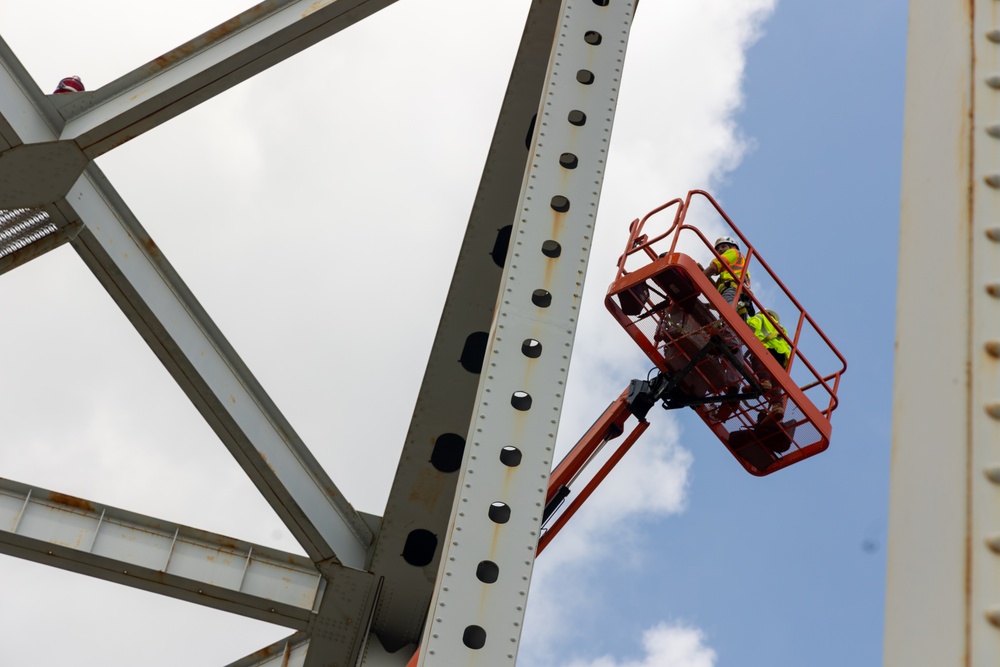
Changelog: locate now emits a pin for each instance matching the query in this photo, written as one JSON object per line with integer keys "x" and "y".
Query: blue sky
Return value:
{"x": 790, "y": 112}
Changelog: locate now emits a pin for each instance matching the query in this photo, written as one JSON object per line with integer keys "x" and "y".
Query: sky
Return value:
{"x": 316, "y": 212}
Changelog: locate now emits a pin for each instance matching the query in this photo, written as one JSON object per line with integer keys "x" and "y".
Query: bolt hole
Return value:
{"x": 568, "y": 161}
{"x": 474, "y": 351}
{"x": 419, "y": 547}
{"x": 531, "y": 348}
{"x": 474, "y": 637}
{"x": 521, "y": 401}
{"x": 585, "y": 76}
{"x": 449, "y": 449}
{"x": 592, "y": 37}
{"x": 510, "y": 456}
{"x": 499, "y": 512}
{"x": 541, "y": 298}
{"x": 487, "y": 572}
{"x": 551, "y": 248}
{"x": 577, "y": 117}
{"x": 559, "y": 203}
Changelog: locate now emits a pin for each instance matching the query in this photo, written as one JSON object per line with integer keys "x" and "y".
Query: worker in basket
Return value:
{"x": 729, "y": 271}
{"x": 765, "y": 327}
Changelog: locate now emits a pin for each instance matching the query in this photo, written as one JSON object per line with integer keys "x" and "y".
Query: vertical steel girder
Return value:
{"x": 943, "y": 576}
{"x": 482, "y": 586}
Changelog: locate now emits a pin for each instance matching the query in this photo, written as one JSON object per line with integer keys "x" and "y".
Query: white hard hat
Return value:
{"x": 725, "y": 239}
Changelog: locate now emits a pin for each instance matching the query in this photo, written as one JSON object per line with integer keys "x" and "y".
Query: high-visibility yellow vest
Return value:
{"x": 731, "y": 268}
{"x": 768, "y": 335}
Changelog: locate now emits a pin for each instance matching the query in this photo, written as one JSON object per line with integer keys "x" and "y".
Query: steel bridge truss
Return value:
{"x": 448, "y": 575}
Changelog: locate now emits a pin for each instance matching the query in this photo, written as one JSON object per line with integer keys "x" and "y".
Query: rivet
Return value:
{"x": 993, "y": 410}
{"x": 993, "y": 180}
{"x": 993, "y": 233}
{"x": 994, "y": 35}
{"x": 993, "y": 81}
{"x": 993, "y": 542}
{"x": 993, "y": 130}
{"x": 993, "y": 348}
{"x": 993, "y": 289}
{"x": 993, "y": 615}
{"x": 993, "y": 473}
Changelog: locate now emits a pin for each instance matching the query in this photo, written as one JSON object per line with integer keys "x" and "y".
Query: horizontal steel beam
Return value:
{"x": 209, "y": 64}
{"x": 159, "y": 556}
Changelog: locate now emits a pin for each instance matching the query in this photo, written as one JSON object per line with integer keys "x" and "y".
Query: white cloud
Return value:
{"x": 665, "y": 645}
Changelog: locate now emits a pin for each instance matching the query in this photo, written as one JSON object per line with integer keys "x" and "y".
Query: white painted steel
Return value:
{"x": 137, "y": 275}
{"x": 211, "y": 63}
{"x": 495, "y": 521}
{"x": 943, "y": 580}
{"x": 179, "y": 561}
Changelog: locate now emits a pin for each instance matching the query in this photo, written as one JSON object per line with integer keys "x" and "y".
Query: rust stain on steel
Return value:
{"x": 151, "y": 246}
{"x": 70, "y": 501}
{"x": 427, "y": 490}
{"x": 218, "y": 33}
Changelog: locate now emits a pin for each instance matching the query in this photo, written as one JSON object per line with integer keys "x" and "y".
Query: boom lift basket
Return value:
{"x": 709, "y": 356}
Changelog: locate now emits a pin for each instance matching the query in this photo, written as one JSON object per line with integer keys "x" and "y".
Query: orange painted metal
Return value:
{"x": 663, "y": 300}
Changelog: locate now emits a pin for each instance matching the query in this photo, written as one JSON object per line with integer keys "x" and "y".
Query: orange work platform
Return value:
{"x": 708, "y": 358}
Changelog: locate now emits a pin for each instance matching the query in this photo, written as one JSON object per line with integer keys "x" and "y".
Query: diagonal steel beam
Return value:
{"x": 144, "y": 285}
{"x": 209, "y": 64}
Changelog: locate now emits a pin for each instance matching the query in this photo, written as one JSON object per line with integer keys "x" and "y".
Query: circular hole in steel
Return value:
{"x": 474, "y": 637}
{"x": 541, "y": 298}
{"x": 585, "y": 76}
{"x": 601, "y": 3}
{"x": 577, "y": 117}
{"x": 568, "y": 161}
{"x": 559, "y": 204}
{"x": 420, "y": 547}
{"x": 499, "y": 512}
{"x": 521, "y": 400}
{"x": 510, "y": 456}
{"x": 487, "y": 572}
{"x": 592, "y": 37}
{"x": 531, "y": 348}
{"x": 448, "y": 451}
{"x": 551, "y": 248}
